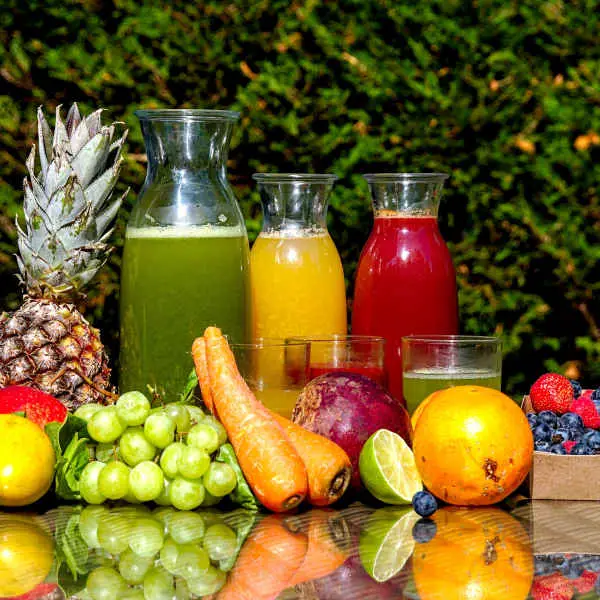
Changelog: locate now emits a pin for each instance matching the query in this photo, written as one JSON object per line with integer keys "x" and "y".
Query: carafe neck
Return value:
{"x": 406, "y": 194}
{"x": 294, "y": 202}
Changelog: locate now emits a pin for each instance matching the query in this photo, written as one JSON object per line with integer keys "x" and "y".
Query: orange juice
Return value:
{"x": 297, "y": 285}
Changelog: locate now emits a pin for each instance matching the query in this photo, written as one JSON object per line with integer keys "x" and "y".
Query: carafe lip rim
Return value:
{"x": 186, "y": 115}
{"x": 452, "y": 340}
{"x": 408, "y": 177}
{"x": 295, "y": 177}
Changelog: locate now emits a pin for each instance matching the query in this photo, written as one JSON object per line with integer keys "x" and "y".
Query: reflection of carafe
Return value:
{"x": 186, "y": 256}
{"x": 297, "y": 278}
{"x": 405, "y": 282}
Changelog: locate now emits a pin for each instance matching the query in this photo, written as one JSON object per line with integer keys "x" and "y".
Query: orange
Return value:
{"x": 477, "y": 553}
{"x": 417, "y": 414}
{"x": 26, "y": 461}
{"x": 472, "y": 445}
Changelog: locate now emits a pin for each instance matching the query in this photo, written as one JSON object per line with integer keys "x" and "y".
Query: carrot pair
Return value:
{"x": 282, "y": 462}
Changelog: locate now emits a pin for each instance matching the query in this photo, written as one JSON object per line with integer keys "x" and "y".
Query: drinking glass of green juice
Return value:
{"x": 431, "y": 363}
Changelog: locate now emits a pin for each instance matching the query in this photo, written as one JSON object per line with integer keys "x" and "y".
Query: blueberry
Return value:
{"x": 532, "y": 419}
{"x": 573, "y": 570}
{"x": 560, "y": 561}
{"x": 593, "y": 441}
{"x": 548, "y": 417}
{"x": 581, "y": 448}
{"x": 596, "y": 402}
{"x": 542, "y": 445}
{"x": 542, "y": 433}
{"x": 424, "y": 531}
{"x": 560, "y": 435}
{"x": 424, "y": 504}
{"x": 544, "y": 565}
{"x": 571, "y": 421}
{"x": 592, "y": 563}
{"x": 577, "y": 389}
{"x": 557, "y": 449}
{"x": 596, "y": 394}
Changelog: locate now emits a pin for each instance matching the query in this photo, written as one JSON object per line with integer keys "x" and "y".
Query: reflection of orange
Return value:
{"x": 477, "y": 553}
{"x": 417, "y": 414}
{"x": 472, "y": 445}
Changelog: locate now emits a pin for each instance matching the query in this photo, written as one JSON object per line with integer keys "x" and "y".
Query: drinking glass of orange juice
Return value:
{"x": 276, "y": 370}
{"x": 296, "y": 274}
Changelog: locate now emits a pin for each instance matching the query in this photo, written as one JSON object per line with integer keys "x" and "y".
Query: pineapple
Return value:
{"x": 47, "y": 344}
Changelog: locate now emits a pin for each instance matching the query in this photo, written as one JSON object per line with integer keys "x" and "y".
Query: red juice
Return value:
{"x": 374, "y": 372}
{"x": 405, "y": 285}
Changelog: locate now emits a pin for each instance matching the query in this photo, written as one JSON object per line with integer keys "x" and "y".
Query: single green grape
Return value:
{"x": 209, "y": 582}
{"x": 186, "y": 527}
{"x": 169, "y": 554}
{"x": 193, "y": 462}
{"x": 186, "y": 494}
{"x": 159, "y": 430}
{"x": 218, "y": 427}
{"x": 182, "y": 591}
{"x": 147, "y": 537}
{"x": 88, "y": 483}
{"x": 220, "y": 479}
{"x": 113, "y": 481}
{"x": 203, "y": 436}
{"x": 196, "y": 414}
{"x": 134, "y": 448}
{"x": 130, "y": 498}
{"x": 133, "y": 408}
{"x": 170, "y": 458}
{"x": 133, "y": 567}
{"x": 105, "y": 583}
{"x": 209, "y": 499}
{"x": 220, "y": 541}
{"x": 89, "y": 519}
{"x": 179, "y": 415}
{"x": 105, "y": 425}
{"x": 146, "y": 481}
{"x": 85, "y": 411}
{"x": 192, "y": 561}
{"x": 164, "y": 498}
{"x": 158, "y": 584}
{"x": 113, "y": 533}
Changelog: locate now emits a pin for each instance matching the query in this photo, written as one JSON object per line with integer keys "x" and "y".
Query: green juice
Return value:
{"x": 418, "y": 384}
{"x": 175, "y": 282}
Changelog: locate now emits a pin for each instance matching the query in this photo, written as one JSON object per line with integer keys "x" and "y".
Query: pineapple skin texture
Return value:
{"x": 51, "y": 347}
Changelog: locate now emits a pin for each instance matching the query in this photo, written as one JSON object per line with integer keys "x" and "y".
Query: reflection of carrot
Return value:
{"x": 327, "y": 465}
{"x": 267, "y": 562}
{"x": 328, "y": 546}
{"x": 199, "y": 354}
{"x": 270, "y": 463}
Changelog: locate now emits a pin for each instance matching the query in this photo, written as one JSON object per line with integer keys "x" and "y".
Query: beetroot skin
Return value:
{"x": 348, "y": 408}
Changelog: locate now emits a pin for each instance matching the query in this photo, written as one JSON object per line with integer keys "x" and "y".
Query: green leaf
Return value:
{"x": 242, "y": 494}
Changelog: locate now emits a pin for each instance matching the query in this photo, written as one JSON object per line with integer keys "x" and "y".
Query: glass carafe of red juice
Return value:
{"x": 405, "y": 282}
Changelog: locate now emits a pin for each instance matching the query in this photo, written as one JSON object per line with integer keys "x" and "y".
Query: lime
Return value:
{"x": 386, "y": 542}
{"x": 387, "y": 468}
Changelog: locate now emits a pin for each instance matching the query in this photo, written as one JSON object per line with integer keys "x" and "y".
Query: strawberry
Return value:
{"x": 586, "y": 409}
{"x": 39, "y": 407}
{"x": 552, "y": 587}
{"x": 551, "y": 392}
{"x": 568, "y": 445}
{"x": 586, "y": 582}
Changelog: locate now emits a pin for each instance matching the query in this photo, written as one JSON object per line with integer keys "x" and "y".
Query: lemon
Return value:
{"x": 26, "y": 461}
{"x": 386, "y": 542}
{"x": 387, "y": 468}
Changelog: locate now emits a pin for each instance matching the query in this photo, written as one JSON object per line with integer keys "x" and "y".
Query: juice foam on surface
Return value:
{"x": 184, "y": 231}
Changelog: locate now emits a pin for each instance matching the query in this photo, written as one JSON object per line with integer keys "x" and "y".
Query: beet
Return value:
{"x": 348, "y": 408}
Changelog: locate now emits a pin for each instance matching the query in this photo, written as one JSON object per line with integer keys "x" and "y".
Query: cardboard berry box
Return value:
{"x": 562, "y": 477}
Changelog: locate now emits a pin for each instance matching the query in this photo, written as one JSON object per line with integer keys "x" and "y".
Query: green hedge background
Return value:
{"x": 503, "y": 95}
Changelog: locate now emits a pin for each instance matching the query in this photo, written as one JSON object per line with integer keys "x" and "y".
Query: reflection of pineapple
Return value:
{"x": 47, "y": 343}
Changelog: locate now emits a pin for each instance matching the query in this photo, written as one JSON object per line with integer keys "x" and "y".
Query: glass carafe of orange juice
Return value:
{"x": 296, "y": 273}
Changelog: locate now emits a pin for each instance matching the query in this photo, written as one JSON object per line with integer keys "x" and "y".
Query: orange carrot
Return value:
{"x": 271, "y": 464}
{"x": 199, "y": 354}
{"x": 327, "y": 465}
{"x": 267, "y": 562}
{"x": 328, "y": 546}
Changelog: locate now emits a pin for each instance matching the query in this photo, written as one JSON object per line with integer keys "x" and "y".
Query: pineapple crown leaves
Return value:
{"x": 68, "y": 205}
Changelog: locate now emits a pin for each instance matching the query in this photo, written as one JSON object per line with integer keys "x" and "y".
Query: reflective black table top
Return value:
{"x": 542, "y": 550}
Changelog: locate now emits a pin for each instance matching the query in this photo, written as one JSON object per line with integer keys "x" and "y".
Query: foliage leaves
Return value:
{"x": 505, "y": 96}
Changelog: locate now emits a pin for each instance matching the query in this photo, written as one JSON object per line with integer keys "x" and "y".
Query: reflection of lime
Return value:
{"x": 387, "y": 468}
{"x": 386, "y": 542}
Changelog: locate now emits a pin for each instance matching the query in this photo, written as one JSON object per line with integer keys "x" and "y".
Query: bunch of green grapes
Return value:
{"x": 162, "y": 554}
{"x": 165, "y": 455}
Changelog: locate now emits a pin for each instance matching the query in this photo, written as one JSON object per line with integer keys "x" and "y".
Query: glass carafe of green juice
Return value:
{"x": 186, "y": 256}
